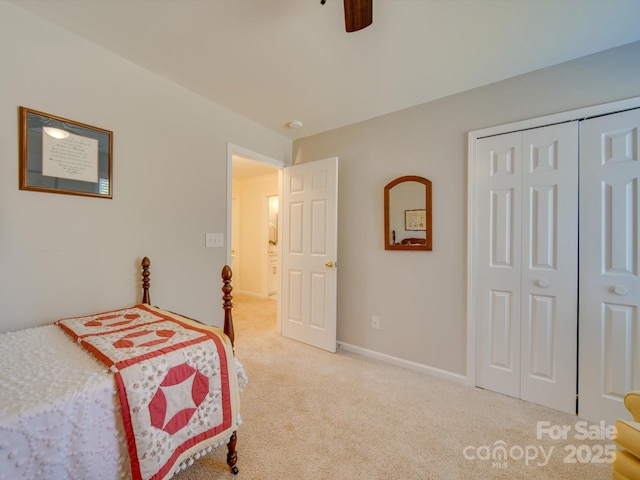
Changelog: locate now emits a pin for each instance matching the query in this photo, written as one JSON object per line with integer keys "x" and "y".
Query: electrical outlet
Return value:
{"x": 375, "y": 322}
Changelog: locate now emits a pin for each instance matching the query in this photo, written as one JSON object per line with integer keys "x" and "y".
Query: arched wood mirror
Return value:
{"x": 407, "y": 214}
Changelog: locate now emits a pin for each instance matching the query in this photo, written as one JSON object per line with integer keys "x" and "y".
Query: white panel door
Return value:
{"x": 498, "y": 270}
{"x": 609, "y": 285}
{"x": 549, "y": 301}
{"x": 526, "y": 265}
{"x": 309, "y": 253}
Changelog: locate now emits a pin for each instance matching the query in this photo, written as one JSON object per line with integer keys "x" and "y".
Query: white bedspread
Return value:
{"x": 58, "y": 423}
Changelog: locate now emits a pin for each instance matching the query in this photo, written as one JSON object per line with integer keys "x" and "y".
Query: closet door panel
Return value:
{"x": 609, "y": 284}
{"x": 549, "y": 266}
{"x": 526, "y": 264}
{"x": 498, "y": 263}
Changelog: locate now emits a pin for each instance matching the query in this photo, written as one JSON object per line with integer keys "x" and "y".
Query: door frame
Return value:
{"x": 472, "y": 137}
{"x": 258, "y": 157}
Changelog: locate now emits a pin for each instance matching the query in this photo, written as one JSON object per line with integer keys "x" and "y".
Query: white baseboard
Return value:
{"x": 417, "y": 367}
{"x": 247, "y": 293}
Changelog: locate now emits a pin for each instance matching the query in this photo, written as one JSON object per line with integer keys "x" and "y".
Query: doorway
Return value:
{"x": 254, "y": 237}
{"x": 310, "y": 236}
{"x": 252, "y": 226}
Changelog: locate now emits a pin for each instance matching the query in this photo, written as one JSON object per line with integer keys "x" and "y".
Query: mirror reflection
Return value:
{"x": 408, "y": 214}
{"x": 272, "y": 227}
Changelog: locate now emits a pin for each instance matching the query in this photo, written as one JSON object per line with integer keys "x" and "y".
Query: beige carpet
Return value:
{"x": 311, "y": 415}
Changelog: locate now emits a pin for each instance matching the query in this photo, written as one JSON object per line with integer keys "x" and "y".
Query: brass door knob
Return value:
{"x": 329, "y": 264}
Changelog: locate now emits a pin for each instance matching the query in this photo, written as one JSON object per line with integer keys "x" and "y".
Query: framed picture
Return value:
{"x": 415, "y": 220}
{"x": 58, "y": 155}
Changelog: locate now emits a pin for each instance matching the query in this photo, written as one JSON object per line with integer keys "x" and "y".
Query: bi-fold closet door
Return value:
{"x": 526, "y": 264}
{"x": 556, "y": 259}
{"x": 609, "y": 359}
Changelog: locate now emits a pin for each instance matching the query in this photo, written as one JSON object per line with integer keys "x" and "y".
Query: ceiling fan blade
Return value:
{"x": 358, "y": 14}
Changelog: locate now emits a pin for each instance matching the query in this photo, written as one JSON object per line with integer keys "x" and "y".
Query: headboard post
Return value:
{"x": 146, "y": 299}
{"x": 227, "y": 305}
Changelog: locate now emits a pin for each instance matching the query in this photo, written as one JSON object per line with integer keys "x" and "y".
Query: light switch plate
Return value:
{"x": 214, "y": 240}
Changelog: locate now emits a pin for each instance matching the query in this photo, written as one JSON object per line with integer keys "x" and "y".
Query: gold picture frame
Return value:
{"x": 415, "y": 220}
{"x": 58, "y": 155}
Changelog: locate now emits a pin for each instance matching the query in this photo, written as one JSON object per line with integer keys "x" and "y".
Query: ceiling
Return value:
{"x": 277, "y": 61}
{"x": 245, "y": 168}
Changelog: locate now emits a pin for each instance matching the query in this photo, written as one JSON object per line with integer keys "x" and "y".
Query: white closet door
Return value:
{"x": 526, "y": 264}
{"x": 498, "y": 265}
{"x": 549, "y": 302}
{"x": 609, "y": 285}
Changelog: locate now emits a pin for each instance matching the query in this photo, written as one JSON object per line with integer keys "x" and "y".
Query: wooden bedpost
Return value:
{"x": 232, "y": 455}
{"x": 227, "y": 305}
{"x": 146, "y": 299}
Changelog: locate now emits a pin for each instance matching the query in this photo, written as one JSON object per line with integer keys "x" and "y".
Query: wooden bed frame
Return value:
{"x": 227, "y": 305}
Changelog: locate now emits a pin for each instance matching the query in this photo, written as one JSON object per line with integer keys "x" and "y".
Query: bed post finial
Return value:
{"x": 146, "y": 299}
{"x": 227, "y": 305}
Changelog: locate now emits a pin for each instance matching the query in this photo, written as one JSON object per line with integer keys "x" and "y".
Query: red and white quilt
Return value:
{"x": 176, "y": 381}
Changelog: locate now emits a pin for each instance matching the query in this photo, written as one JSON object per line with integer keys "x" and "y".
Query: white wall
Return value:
{"x": 421, "y": 296}
{"x": 63, "y": 255}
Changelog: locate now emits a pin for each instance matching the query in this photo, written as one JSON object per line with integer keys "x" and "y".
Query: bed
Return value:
{"x": 136, "y": 392}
